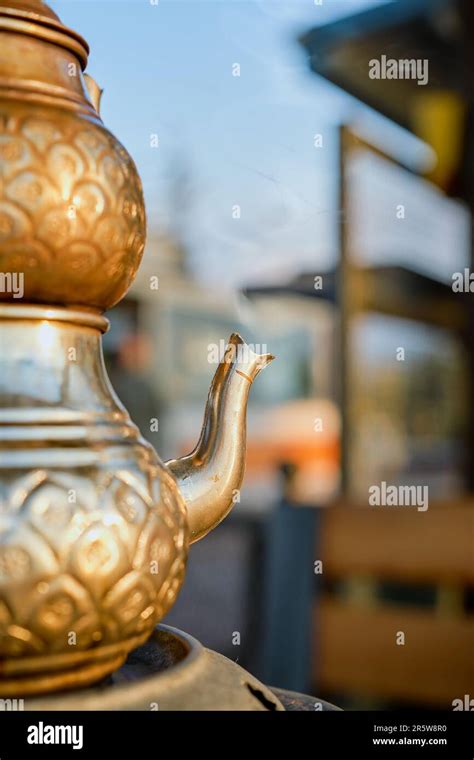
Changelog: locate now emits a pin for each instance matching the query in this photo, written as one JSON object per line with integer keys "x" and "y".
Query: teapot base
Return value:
{"x": 171, "y": 671}
{"x": 28, "y": 676}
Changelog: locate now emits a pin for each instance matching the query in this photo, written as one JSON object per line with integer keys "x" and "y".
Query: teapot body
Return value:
{"x": 93, "y": 529}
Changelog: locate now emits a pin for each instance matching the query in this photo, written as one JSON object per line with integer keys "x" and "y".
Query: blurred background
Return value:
{"x": 323, "y": 214}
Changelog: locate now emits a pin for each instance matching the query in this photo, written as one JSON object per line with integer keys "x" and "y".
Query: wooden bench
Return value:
{"x": 356, "y": 650}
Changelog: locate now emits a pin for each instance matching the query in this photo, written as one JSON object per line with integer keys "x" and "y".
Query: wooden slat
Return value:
{"x": 400, "y": 543}
{"x": 358, "y": 653}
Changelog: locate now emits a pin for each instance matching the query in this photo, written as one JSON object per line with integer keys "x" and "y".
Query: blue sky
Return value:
{"x": 166, "y": 69}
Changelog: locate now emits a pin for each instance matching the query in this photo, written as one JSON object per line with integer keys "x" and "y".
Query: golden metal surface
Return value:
{"x": 94, "y": 528}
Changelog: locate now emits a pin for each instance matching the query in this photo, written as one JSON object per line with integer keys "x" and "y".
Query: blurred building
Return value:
{"x": 394, "y": 623}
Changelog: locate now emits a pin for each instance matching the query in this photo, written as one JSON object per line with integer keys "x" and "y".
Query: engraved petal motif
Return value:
{"x": 90, "y": 200}
{"x": 50, "y": 512}
{"x": 99, "y": 558}
{"x": 63, "y": 607}
{"x": 71, "y": 203}
{"x": 34, "y": 259}
{"x": 14, "y": 222}
{"x": 15, "y": 155}
{"x": 155, "y": 550}
{"x": 33, "y": 191}
{"x": 41, "y": 132}
{"x": 65, "y": 164}
{"x": 23, "y": 555}
{"x": 17, "y": 641}
{"x": 131, "y": 603}
{"x": 60, "y": 226}
{"x": 83, "y": 257}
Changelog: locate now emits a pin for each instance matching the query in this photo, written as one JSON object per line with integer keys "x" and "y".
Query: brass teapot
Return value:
{"x": 94, "y": 528}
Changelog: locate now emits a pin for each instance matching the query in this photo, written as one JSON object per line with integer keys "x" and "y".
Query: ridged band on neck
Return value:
{"x": 54, "y": 314}
{"x": 44, "y": 28}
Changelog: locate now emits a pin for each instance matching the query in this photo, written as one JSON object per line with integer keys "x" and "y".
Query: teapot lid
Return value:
{"x": 35, "y": 18}
{"x": 29, "y": 7}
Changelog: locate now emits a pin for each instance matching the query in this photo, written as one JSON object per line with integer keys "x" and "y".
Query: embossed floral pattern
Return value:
{"x": 72, "y": 216}
{"x": 101, "y": 557}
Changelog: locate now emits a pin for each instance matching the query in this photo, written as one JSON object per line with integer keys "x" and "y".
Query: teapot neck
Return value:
{"x": 54, "y": 386}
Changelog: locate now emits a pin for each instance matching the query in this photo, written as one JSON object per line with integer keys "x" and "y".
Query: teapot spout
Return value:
{"x": 210, "y": 477}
